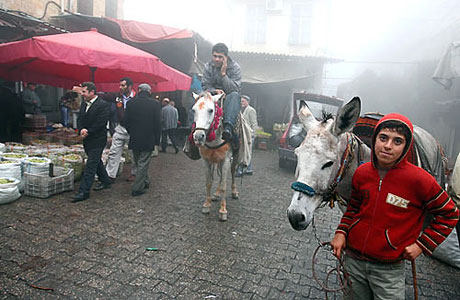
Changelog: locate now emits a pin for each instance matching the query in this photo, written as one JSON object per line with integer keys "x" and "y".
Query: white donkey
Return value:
{"x": 207, "y": 135}
{"x": 329, "y": 156}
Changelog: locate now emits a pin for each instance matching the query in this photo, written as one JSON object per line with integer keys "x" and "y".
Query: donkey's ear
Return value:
{"x": 347, "y": 116}
{"x": 306, "y": 116}
{"x": 195, "y": 95}
{"x": 216, "y": 98}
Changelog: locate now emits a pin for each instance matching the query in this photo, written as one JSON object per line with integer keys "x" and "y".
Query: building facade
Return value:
{"x": 44, "y": 9}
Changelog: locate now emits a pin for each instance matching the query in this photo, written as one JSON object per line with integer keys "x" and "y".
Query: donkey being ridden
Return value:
{"x": 207, "y": 135}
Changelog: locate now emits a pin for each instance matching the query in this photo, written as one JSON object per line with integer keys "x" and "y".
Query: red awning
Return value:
{"x": 64, "y": 60}
{"x": 140, "y": 32}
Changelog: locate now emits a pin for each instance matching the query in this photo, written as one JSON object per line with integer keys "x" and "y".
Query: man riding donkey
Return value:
{"x": 222, "y": 76}
{"x": 382, "y": 225}
{"x": 222, "y": 142}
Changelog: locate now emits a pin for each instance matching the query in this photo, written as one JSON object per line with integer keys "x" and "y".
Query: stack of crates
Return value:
{"x": 41, "y": 185}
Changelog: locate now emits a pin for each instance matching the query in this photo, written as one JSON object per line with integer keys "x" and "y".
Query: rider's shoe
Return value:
{"x": 227, "y": 134}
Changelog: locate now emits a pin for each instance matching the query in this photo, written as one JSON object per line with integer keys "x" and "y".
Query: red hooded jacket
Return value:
{"x": 386, "y": 215}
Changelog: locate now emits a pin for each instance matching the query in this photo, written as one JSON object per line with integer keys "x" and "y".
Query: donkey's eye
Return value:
{"x": 210, "y": 110}
{"x": 327, "y": 165}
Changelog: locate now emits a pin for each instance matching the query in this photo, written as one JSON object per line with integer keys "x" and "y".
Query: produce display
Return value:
{"x": 14, "y": 155}
{"x": 5, "y": 181}
{"x": 36, "y": 160}
{"x": 69, "y": 153}
{"x": 73, "y": 161}
{"x": 72, "y": 157}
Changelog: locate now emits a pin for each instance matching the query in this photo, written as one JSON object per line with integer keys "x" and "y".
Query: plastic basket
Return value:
{"x": 42, "y": 186}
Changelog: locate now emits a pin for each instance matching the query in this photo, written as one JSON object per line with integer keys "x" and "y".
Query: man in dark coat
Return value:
{"x": 92, "y": 121}
{"x": 143, "y": 122}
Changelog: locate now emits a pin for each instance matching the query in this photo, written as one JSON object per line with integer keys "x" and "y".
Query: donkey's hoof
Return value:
{"x": 222, "y": 216}
{"x": 215, "y": 197}
{"x": 235, "y": 195}
{"x": 205, "y": 209}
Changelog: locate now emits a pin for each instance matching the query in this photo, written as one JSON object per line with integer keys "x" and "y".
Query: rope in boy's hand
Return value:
{"x": 342, "y": 275}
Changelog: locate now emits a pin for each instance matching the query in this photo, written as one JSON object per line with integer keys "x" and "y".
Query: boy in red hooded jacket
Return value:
{"x": 382, "y": 225}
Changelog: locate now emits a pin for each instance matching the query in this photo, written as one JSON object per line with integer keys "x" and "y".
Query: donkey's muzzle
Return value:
{"x": 297, "y": 219}
{"x": 199, "y": 136}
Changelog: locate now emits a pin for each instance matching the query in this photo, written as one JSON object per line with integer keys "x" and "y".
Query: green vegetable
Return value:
{"x": 36, "y": 160}
{"x": 5, "y": 181}
{"x": 14, "y": 155}
{"x": 72, "y": 157}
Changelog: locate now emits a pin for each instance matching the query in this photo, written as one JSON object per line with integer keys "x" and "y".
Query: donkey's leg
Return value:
{"x": 209, "y": 177}
{"x": 218, "y": 193}
{"x": 224, "y": 168}
{"x": 233, "y": 172}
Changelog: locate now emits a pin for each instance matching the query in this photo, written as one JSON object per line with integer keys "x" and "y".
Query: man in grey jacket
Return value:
{"x": 223, "y": 75}
{"x": 169, "y": 118}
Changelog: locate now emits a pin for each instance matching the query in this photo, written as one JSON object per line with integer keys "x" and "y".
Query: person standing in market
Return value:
{"x": 121, "y": 136}
{"x": 169, "y": 119}
{"x": 92, "y": 121}
{"x": 143, "y": 123}
{"x": 223, "y": 75}
{"x": 31, "y": 101}
{"x": 383, "y": 223}
{"x": 250, "y": 116}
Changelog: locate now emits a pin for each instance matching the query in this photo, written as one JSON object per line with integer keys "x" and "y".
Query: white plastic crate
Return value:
{"x": 42, "y": 186}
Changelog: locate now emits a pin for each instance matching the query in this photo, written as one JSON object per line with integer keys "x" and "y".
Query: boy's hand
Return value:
{"x": 338, "y": 243}
{"x": 223, "y": 69}
{"x": 411, "y": 252}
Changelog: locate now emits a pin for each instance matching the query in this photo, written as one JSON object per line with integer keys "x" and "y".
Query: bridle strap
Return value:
{"x": 347, "y": 157}
{"x": 215, "y": 147}
{"x": 200, "y": 128}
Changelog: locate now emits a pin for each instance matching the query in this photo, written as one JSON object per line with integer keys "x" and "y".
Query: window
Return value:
{"x": 256, "y": 22}
{"x": 85, "y": 7}
{"x": 111, "y": 8}
{"x": 301, "y": 20}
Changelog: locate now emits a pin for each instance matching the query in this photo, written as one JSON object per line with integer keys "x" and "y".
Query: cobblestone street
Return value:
{"x": 54, "y": 249}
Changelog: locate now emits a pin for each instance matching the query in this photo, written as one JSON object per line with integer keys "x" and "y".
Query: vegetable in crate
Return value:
{"x": 5, "y": 181}
{"x": 14, "y": 155}
{"x": 37, "y": 160}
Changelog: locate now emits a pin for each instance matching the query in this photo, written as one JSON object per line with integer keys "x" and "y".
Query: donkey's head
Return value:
{"x": 204, "y": 111}
{"x": 318, "y": 160}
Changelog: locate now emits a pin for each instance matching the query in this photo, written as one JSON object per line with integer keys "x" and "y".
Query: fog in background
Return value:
{"x": 388, "y": 50}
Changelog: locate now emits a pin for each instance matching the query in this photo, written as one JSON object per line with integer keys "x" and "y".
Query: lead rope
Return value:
{"x": 414, "y": 277}
{"x": 342, "y": 275}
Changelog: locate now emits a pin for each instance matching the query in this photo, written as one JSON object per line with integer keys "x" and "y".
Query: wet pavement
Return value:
{"x": 97, "y": 249}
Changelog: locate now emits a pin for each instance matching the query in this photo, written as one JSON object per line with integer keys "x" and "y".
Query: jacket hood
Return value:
{"x": 405, "y": 122}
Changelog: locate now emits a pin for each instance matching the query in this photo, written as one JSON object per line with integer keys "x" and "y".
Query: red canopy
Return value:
{"x": 140, "y": 32}
{"x": 65, "y": 60}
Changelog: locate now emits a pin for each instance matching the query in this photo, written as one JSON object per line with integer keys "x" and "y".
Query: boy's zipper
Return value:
{"x": 373, "y": 216}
